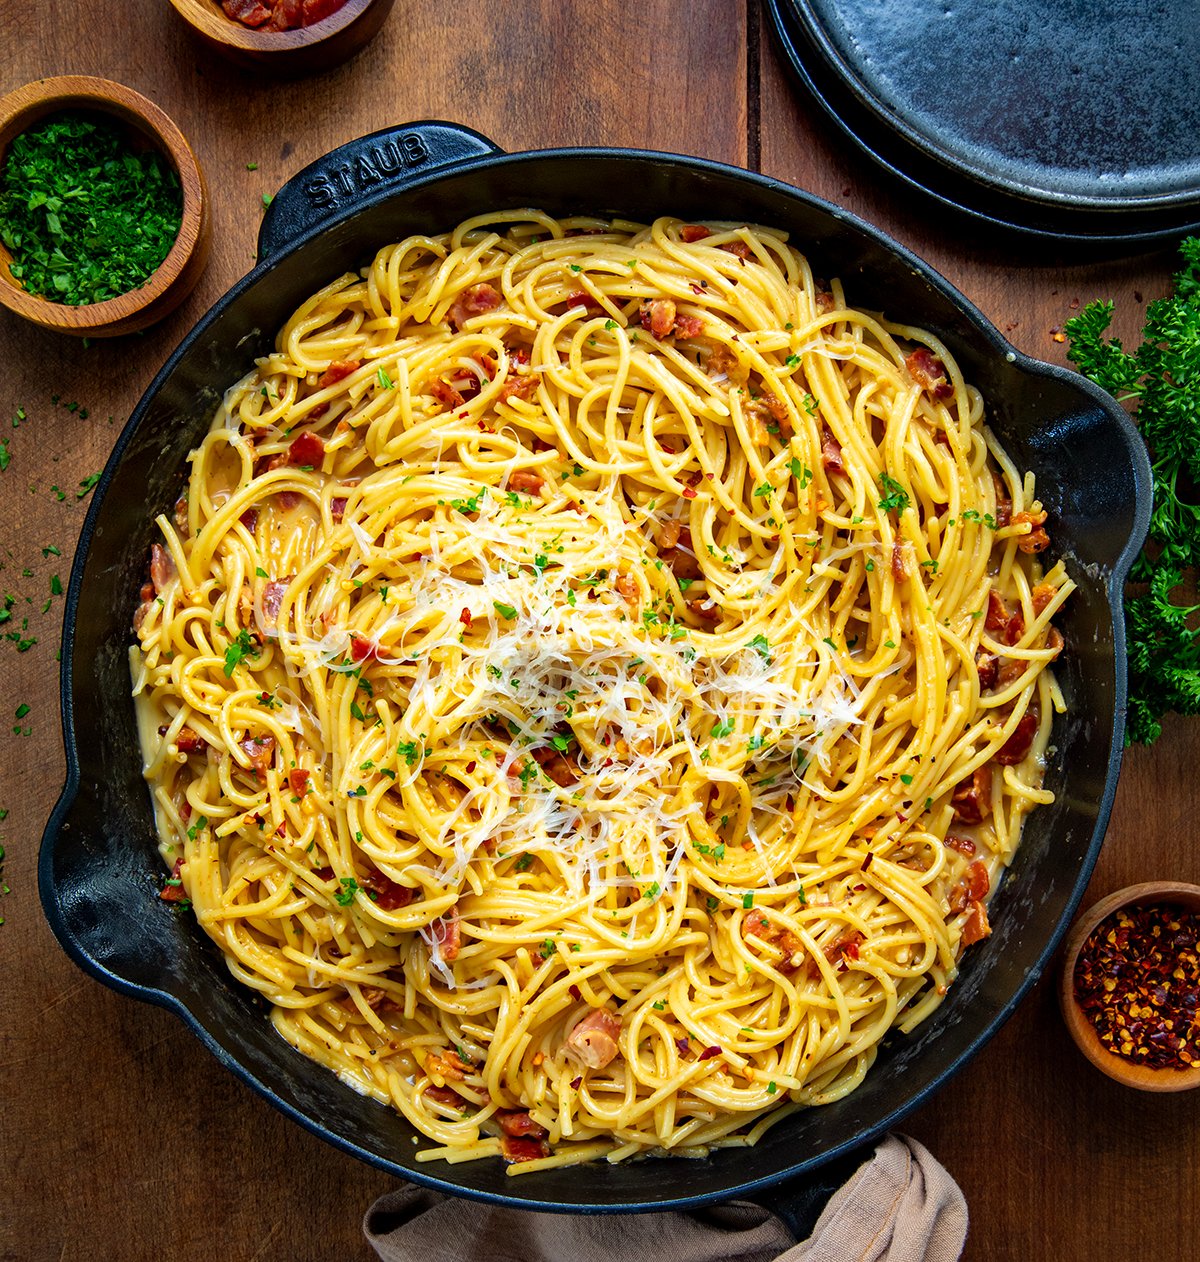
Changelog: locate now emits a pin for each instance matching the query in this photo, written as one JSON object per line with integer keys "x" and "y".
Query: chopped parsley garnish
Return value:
{"x": 524, "y": 863}
{"x": 345, "y": 896}
{"x": 895, "y": 497}
{"x": 762, "y": 646}
{"x": 761, "y": 492}
{"x": 241, "y": 648}
{"x": 86, "y": 485}
{"x": 723, "y": 728}
{"x": 810, "y": 404}
{"x": 505, "y": 611}
{"x": 410, "y": 751}
{"x": 800, "y": 472}
{"x": 748, "y": 900}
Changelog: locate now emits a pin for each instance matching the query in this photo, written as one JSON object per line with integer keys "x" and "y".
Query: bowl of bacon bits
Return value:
{"x": 285, "y": 37}
{"x": 1130, "y": 989}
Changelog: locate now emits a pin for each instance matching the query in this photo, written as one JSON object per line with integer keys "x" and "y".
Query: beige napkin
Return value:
{"x": 901, "y": 1206}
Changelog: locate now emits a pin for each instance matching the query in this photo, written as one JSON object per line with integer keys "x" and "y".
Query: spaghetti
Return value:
{"x": 592, "y": 681}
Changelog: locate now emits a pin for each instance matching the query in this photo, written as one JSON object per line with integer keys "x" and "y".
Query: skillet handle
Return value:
{"x": 338, "y": 182}
{"x": 800, "y": 1202}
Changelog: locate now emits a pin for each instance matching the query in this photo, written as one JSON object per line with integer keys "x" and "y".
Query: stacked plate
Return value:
{"x": 1069, "y": 120}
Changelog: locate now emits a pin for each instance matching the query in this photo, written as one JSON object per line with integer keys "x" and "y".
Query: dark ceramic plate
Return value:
{"x": 99, "y": 867}
{"x": 1075, "y": 119}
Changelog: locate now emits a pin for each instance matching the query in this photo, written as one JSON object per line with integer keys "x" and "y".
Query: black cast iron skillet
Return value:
{"x": 99, "y": 865}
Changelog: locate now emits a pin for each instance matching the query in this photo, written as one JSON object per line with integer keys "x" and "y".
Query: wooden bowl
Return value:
{"x": 178, "y": 273}
{"x": 1143, "y": 1077}
{"x": 287, "y": 53}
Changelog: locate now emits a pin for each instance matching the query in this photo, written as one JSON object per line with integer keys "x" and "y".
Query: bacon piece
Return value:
{"x": 249, "y": 519}
{"x": 385, "y": 893}
{"x": 688, "y": 326}
{"x": 162, "y": 568}
{"x": 526, "y": 482}
{"x": 363, "y": 650}
{"x": 988, "y": 666}
{"x": 831, "y": 451}
{"x": 964, "y": 845}
{"x": 518, "y": 385}
{"x": 478, "y": 300}
{"x": 581, "y": 298}
{"x": 1013, "y": 668}
{"x": 373, "y": 996}
{"x": 337, "y": 507}
{"x": 1037, "y": 540}
{"x": 286, "y": 15}
{"x": 737, "y": 248}
{"x": 844, "y": 947}
{"x": 694, "y": 232}
{"x": 298, "y": 779}
{"x": 899, "y": 570}
{"x": 447, "y": 934}
{"x": 448, "y": 1065}
{"x": 721, "y": 361}
{"x": 1016, "y": 748}
{"x": 445, "y": 393}
{"x": 517, "y": 1124}
{"x": 669, "y": 535}
{"x": 146, "y": 597}
{"x": 445, "y": 1095}
{"x": 318, "y": 10}
{"x": 707, "y": 610}
{"x": 1041, "y": 596}
{"x": 823, "y": 301}
{"x": 189, "y": 742}
{"x": 626, "y": 586}
{"x": 997, "y": 613}
{"x": 976, "y": 927}
{"x": 1003, "y": 501}
{"x": 179, "y": 515}
{"x": 757, "y": 924}
{"x": 289, "y": 499}
{"x": 972, "y": 798}
{"x": 339, "y": 370}
{"x": 929, "y": 373}
{"x": 248, "y": 12}
{"x": 518, "y": 1149}
{"x": 272, "y": 598}
{"x": 657, "y": 316}
{"x": 306, "y": 449}
{"x": 174, "y": 893}
{"x": 1011, "y": 624}
{"x": 1054, "y": 640}
{"x": 564, "y": 771}
{"x": 592, "y": 1043}
{"x": 261, "y": 751}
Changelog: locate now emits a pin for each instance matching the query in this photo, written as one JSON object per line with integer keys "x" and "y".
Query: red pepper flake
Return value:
{"x": 576, "y": 1081}
{"x": 709, "y": 1053}
{"x": 1137, "y": 980}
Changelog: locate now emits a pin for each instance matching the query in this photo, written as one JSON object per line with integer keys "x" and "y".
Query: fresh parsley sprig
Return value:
{"x": 1162, "y": 376}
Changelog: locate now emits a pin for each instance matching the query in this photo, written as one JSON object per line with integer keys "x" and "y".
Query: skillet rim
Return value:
{"x": 996, "y": 343}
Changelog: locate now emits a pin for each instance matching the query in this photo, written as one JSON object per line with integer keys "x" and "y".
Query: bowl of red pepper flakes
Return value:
{"x": 1130, "y": 990}
{"x": 286, "y": 38}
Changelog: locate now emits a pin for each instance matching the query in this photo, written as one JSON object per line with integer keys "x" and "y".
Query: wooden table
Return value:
{"x": 119, "y": 1136}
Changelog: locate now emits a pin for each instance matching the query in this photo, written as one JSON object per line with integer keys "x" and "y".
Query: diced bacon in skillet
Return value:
{"x": 162, "y": 568}
{"x": 694, "y": 232}
{"x": 929, "y": 373}
{"x": 478, "y": 300}
{"x": 971, "y": 800}
{"x": 306, "y": 450}
{"x": 592, "y": 1042}
{"x": 1016, "y": 748}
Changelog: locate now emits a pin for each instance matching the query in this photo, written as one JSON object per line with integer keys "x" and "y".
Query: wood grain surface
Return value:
{"x": 120, "y": 1137}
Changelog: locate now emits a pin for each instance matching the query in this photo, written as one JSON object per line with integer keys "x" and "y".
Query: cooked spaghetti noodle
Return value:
{"x": 592, "y": 681}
